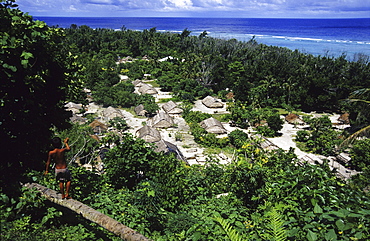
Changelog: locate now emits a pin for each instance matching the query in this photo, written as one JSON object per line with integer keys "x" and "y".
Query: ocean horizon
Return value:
{"x": 319, "y": 37}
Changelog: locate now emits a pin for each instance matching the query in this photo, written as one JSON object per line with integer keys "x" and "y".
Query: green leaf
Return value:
{"x": 12, "y": 68}
{"x": 24, "y": 63}
{"x": 340, "y": 224}
{"x": 311, "y": 236}
{"x": 331, "y": 235}
{"x": 19, "y": 205}
{"x": 151, "y": 193}
{"x": 317, "y": 209}
{"x": 26, "y": 55}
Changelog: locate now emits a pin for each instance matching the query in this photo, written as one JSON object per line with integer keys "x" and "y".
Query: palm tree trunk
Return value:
{"x": 89, "y": 213}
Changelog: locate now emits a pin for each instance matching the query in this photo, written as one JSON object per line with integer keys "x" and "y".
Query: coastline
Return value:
{"x": 319, "y": 37}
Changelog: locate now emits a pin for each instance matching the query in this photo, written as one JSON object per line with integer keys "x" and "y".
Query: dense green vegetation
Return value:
{"x": 261, "y": 195}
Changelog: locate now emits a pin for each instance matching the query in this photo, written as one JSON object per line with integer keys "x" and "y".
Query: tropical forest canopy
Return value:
{"x": 266, "y": 195}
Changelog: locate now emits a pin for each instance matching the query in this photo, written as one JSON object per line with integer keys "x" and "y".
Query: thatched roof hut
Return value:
{"x": 168, "y": 147}
{"x": 230, "y": 96}
{"x": 171, "y": 108}
{"x": 75, "y": 108}
{"x": 98, "y": 127}
{"x": 137, "y": 83}
{"x": 111, "y": 112}
{"x": 268, "y": 145}
{"x": 294, "y": 119}
{"x": 343, "y": 157}
{"x": 211, "y": 125}
{"x": 139, "y": 110}
{"x": 147, "y": 89}
{"x": 161, "y": 120}
{"x": 148, "y": 134}
{"x": 344, "y": 118}
{"x": 77, "y": 119}
{"x": 212, "y": 102}
{"x": 264, "y": 143}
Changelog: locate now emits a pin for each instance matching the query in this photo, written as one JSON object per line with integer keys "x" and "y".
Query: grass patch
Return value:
{"x": 228, "y": 151}
{"x": 301, "y": 146}
{"x": 174, "y": 99}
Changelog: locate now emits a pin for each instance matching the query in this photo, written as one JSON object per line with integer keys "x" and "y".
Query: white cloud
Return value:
{"x": 225, "y": 8}
{"x": 181, "y": 3}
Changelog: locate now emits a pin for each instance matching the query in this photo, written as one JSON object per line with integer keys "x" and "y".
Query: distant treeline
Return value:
{"x": 257, "y": 74}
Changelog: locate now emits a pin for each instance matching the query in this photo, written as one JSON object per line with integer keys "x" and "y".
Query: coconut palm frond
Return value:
{"x": 358, "y": 100}
{"x": 359, "y": 93}
{"x": 363, "y": 132}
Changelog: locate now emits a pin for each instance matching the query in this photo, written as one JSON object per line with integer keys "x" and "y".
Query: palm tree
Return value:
{"x": 359, "y": 96}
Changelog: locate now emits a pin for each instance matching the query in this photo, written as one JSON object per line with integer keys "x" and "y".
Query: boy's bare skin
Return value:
{"x": 58, "y": 157}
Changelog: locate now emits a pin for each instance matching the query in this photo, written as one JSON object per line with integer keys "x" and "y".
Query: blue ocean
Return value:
{"x": 324, "y": 37}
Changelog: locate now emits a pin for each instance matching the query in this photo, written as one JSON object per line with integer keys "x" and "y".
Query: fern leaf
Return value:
{"x": 232, "y": 234}
{"x": 275, "y": 227}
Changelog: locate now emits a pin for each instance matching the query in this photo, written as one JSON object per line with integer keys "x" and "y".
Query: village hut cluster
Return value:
{"x": 151, "y": 129}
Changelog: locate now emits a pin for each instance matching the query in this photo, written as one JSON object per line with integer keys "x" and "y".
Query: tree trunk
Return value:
{"x": 89, "y": 213}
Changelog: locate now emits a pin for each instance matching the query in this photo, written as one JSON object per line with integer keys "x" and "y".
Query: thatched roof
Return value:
{"x": 265, "y": 143}
{"x": 111, "y": 113}
{"x": 268, "y": 145}
{"x": 212, "y": 102}
{"x": 75, "y": 108}
{"x": 168, "y": 147}
{"x": 344, "y": 118}
{"x": 147, "y": 89}
{"x": 139, "y": 110}
{"x": 149, "y": 134}
{"x": 98, "y": 127}
{"x": 230, "y": 96}
{"x": 171, "y": 108}
{"x": 137, "y": 83}
{"x": 343, "y": 157}
{"x": 77, "y": 119}
{"x": 212, "y": 125}
{"x": 294, "y": 119}
{"x": 162, "y": 120}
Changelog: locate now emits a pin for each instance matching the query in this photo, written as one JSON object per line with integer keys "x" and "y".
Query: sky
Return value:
{"x": 199, "y": 8}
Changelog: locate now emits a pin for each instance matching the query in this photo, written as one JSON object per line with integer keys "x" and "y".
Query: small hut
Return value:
{"x": 343, "y": 157}
{"x": 230, "y": 96}
{"x": 98, "y": 127}
{"x": 212, "y": 102}
{"x": 161, "y": 120}
{"x": 148, "y": 134}
{"x": 137, "y": 83}
{"x": 147, "y": 89}
{"x": 139, "y": 110}
{"x": 344, "y": 119}
{"x": 77, "y": 119}
{"x": 168, "y": 147}
{"x": 111, "y": 112}
{"x": 294, "y": 119}
{"x": 211, "y": 125}
{"x": 171, "y": 108}
{"x": 75, "y": 108}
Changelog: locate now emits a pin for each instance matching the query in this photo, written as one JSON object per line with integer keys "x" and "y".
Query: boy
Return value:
{"x": 61, "y": 171}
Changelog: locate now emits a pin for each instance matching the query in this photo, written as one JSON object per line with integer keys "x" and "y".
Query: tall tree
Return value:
{"x": 360, "y": 96}
{"x": 34, "y": 84}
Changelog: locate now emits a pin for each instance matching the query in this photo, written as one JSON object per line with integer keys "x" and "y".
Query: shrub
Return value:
{"x": 237, "y": 138}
